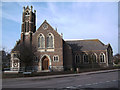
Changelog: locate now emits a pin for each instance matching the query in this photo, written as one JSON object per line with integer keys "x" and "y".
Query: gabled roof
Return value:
{"x": 86, "y": 45}
{"x": 45, "y": 21}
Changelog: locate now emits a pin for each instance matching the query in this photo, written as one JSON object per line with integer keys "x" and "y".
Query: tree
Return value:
{"x": 92, "y": 59}
{"x": 26, "y": 54}
{"x": 116, "y": 58}
{"x": 5, "y": 56}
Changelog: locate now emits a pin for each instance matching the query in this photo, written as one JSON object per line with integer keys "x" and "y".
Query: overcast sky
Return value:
{"x": 88, "y": 20}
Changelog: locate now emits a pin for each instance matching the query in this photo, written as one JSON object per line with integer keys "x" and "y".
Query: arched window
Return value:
{"x": 94, "y": 58}
{"x": 102, "y": 57}
{"x": 35, "y": 59}
{"x": 27, "y": 12}
{"x": 85, "y": 58}
{"x": 77, "y": 59}
{"x": 50, "y": 41}
{"x": 41, "y": 41}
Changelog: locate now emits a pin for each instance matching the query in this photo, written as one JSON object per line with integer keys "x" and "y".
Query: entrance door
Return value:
{"x": 45, "y": 63}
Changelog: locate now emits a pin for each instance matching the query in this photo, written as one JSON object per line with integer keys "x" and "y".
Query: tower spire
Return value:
{"x": 28, "y": 22}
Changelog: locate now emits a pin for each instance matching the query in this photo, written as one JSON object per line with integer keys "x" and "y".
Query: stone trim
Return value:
{"x": 104, "y": 57}
{"x": 43, "y": 42}
{"x": 83, "y": 58}
{"x": 56, "y": 56}
{"x": 76, "y": 58}
{"x": 96, "y": 57}
{"x": 50, "y": 50}
{"x": 40, "y": 62}
{"x": 53, "y": 40}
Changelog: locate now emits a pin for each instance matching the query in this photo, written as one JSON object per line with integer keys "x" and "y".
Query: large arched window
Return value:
{"x": 50, "y": 40}
{"x": 85, "y": 58}
{"x": 94, "y": 58}
{"x": 77, "y": 59}
{"x": 102, "y": 57}
{"x": 41, "y": 41}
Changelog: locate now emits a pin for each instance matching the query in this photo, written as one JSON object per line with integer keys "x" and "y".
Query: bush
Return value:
{"x": 117, "y": 65}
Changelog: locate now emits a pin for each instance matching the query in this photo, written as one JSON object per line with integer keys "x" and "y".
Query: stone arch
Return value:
{"x": 77, "y": 59}
{"x": 40, "y": 62}
{"x": 102, "y": 57}
{"x": 85, "y": 58}
{"x": 94, "y": 57}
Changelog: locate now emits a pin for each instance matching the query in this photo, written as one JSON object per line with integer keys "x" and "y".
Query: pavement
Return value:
{"x": 96, "y": 79}
{"x": 65, "y": 75}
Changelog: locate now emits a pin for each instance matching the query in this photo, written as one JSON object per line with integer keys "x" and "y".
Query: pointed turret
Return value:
{"x": 28, "y": 20}
{"x": 28, "y": 23}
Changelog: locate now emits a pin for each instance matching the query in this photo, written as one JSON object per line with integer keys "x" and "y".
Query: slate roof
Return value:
{"x": 16, "y": 47}
{"x": 86, "y": 45}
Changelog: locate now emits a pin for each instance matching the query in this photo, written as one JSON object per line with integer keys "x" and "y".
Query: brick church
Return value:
{"x": 56, "y": 54}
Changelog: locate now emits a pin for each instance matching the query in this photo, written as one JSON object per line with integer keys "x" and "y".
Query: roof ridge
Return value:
{"x": 82, "y": 40}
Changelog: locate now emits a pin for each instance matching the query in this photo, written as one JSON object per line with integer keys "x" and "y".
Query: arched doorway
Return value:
{"x": 45, "y": 63}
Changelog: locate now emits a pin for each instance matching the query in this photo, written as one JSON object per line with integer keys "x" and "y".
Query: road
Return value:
{"x": 98, "y": 80}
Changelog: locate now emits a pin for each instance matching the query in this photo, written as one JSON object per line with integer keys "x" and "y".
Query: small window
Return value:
{"x": 27, "y": 13}
{"x": 45, "y": 26}
{"x": 15, "y": 55}
{"x": 36, "y": 59}
{"x": 15, "y": 63}
{"x": 56, "y": 58}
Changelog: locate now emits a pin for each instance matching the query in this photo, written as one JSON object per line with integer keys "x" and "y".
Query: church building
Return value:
{"x": 53, "y": 53}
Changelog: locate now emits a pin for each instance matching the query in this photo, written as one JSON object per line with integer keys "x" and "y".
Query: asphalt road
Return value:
{"x": 99, "y": 80}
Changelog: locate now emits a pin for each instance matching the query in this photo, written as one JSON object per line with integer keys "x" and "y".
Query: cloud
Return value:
{"x": 15, "y": 18}
{"x": 75, "y": 20}
{"x": 11, "y": 11}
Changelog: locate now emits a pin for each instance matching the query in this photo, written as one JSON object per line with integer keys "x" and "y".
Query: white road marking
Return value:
{"x": 67, "y": 87}
{"x": 95, "y": 83}
{"x": 101, "y": 82}
{"x": 84, "y": 78}
{"x": 107, "y": 81}
{"x": 80, "y": 85}
{"x": 88, "y": 84}
{"x": 114, "y": 80}
{"x": 71, "y": 87}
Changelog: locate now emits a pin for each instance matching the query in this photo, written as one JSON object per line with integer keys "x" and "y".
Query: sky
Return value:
{"x": 76, "y": 20}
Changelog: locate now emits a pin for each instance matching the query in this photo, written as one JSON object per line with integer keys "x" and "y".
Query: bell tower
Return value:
{"x": 28, "y": 23}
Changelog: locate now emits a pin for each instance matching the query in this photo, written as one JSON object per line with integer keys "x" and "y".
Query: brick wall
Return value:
{"x": 57, "y": 50}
